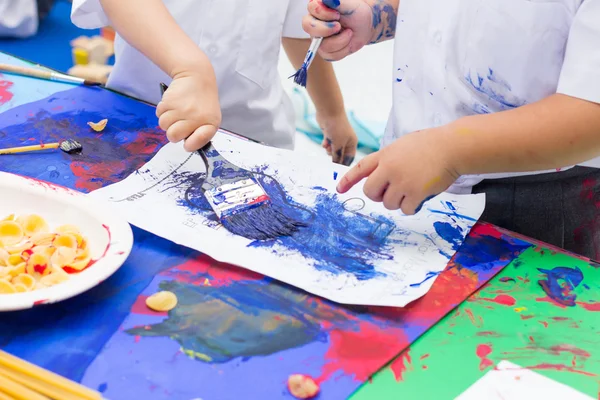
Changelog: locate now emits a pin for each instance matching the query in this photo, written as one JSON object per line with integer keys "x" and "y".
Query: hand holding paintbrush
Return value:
{"x": 239, "y": 200}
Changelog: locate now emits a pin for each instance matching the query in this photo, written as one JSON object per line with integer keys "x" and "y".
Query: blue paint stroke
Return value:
{"x": 384, "y": 18}
{"x": 335, "y": 175}
{"x": 219, "y": 324}
{"x": 560, "y": 283}
{"x": 420, "y": 206}
{"x": 427, "y": 277}
{"x": 448, "y": 232}
{"x": 482, "y": 254}
{"x": 332, "y": 3}
{"x": 494, "y": 88}
{"x": 338, "y": 241}
{"x": 452, "y": 214}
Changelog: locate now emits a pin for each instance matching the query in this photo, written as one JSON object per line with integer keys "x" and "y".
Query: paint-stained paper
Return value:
{"x": 353, "y": 251}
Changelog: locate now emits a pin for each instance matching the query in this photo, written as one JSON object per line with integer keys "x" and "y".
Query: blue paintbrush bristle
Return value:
{"x": 301, "y": 75}
{"x": 263, "y": 222}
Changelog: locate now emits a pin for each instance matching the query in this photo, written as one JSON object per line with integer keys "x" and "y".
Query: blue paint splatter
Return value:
{"x": 494, "y": 88}
{"x": 398, "y": 80}
{"x": 586, "y": 286}
{"x": 448, "y": 232}
{"x": 337, "y": 240}
{"x": 427, "y": 277}
{"x": 335, "y": 175}
{"x": 483, "y": 253}
{"x": 382, "y": 10}
{"x": 102, "y": 387}
{"x": 332, "y": 3}
{"x": 560, "y": 283}
{"x": 202, "y": 321}
{"x": 452, "y": 214}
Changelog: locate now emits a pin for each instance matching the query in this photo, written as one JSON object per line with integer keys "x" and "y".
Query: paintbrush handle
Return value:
{"x": 312, "y": 50}
{"x": 24, "y": 149}
{"x": 40, "y": 73}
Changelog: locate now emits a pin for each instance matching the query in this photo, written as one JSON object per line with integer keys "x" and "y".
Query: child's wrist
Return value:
{"x": 455, "y": 139}
{"x": 191, "y": 64}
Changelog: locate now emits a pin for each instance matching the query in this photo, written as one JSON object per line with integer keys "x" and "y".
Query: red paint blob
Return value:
{"x": 482, "y": 351}
{"x": 400, "y": 365}
{"x": 140, "y": 307}
{"x": 5, "y": 95}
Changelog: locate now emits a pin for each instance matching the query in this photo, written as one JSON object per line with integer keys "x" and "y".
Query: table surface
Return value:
{"x": 538, "y": 312}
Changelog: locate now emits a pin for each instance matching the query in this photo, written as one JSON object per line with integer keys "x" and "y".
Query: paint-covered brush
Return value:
{"x": 301, "y": 75}
{"x": 46, "y": 75}
{"x": 69, "y": 146}
{"x": 239, "y": 200}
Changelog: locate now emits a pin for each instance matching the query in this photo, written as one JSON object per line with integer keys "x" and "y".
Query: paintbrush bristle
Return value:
{"x": 91, "y": 83}
{"x": 263, "y": 222}
{"x": 70, "y": 146}
{"x": 301, "y": 75}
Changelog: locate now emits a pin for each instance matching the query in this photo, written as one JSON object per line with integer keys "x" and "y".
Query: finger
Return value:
{"x": 161, "y": 108}
{"x": 316, "y": 28}
{"x": 392, "y": 199}
{"x": 180, "y": 130}
{"x": 167, "y": 119}
{"x": 348, "y": 160}
{"x": 336, "y": 44}
{"x": 317, "y": 9}
{"x": 376, "y": 185}
{"x": 343, "y": 7}
{"x": 326, "y": 143}
{"x": 410, "y": 204}
{"x": 200, "y": 137}
{"x": 363, "y": 169}
{"x": 338, "y": 155}
{"x": 349, "y": 154}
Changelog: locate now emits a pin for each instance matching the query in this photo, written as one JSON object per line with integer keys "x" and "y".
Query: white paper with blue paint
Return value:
{"x": 353, "y": 251}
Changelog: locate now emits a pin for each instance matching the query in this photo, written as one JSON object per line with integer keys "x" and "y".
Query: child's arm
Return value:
{"x": 348, "y": 25}
{"x": 555, "y": 132}
{"x": 190, "y": 108}
{"x": 340, "y": 141}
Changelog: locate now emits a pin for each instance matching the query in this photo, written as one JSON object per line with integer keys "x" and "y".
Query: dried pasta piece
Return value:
{"x": 4, "y": 255}
{"x": 98, "y": 126}
{"x": 6, "y": 287}
{"x": 11, "y": 233}
{"x": 72, "y": 229}
{"x": 24, "y": 279}
{"x": 10, "y": 217}
{"x": 63, "y": 256}
{"x": 38, "y": 264}
{"x": 43, "y": 238}
{"x": 162, "y": 301}
{"x": 19, "y": 247}
{"x": 302, "y": 386}
{"x": 15, "y": 259}
{"x": 16, "y": 270}
{"x": 20, "y": 288}
{"x": 55, "y": 277}
{"x": 32, "y": 224}
{"x": 65, "y": 240}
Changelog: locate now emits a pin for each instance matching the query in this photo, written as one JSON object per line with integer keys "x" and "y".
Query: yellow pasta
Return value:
{"x": 32, "y": 256}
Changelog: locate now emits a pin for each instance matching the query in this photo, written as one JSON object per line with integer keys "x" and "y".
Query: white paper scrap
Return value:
{"x": 353, "y": 251}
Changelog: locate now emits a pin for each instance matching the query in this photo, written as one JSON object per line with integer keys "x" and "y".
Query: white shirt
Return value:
{"x": 455, "y": 58}
{"x": 18, "y": 18}
{"x": 242, "y": 38}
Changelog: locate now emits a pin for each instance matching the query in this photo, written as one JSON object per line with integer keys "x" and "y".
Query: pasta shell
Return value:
{"x": 10, "y": 217}
{"x": 3, "y": 257}
{"x": 19, "y": 248}
{"x": 66, "y": 240}
{"x": 24, "y": 279}
{"x": 37, "y": 263}
{"x": 11, "y": 233}
{"x": 98, "y": 126}
{"x": 57, "y": 276}
{"x": 16, "y": 270}
{"x": 62, "y": 256}
{"x": 45, "y": 250}
{"x": 43, "y": 239}
{"x": 72, "y": 229}
{"x": 15, "y": 259}
{"x": 6, "y": 287}
{"x": 19, "y": 288}
{"x": 33, "y": 224}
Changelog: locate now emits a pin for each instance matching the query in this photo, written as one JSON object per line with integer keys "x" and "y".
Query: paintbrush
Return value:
{"x": 46, "y": 74}
{"x": 240, "y": 202}
{"x": 69, "y": 146}
{"x": 301, "y": 75}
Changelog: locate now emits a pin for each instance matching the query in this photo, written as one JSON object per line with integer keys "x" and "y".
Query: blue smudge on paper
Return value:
{"x": 428, "y": 276}
{"x": 335, "y": 175}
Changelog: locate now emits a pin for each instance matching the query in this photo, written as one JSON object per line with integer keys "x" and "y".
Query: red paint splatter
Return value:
{"x": 544, "y": 323}
{"x": 137, "y": 338}
{"x": 524, "y": 317}
{"x": 424, "y": 356}
{"x": 560, "y": 318}
{"x": 549, "y": 300}
{"x": 507, "y": 279}
{"x": 567, "y": 348}
{"x": 140, "y": 307}
{"x": 400, "y": 365}
{"x": 488, "y": 333}
{"x": 360, "y": 353}
{"x": 70, "y": 270}
{"x": 560, "y": 367}
{"x": 589, "y": 306}
{"x": 503, "y": 299}
{"x": 39, "y": 268}
{"x": 482, "y": 351}
{"x": 38, "y": 302}
{"x": 5, "y": 94}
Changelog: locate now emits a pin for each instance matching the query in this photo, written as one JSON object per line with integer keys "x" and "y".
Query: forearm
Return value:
{"x": 322, "y": 84}
{"x": 148, "y": 26}
{"x": 555, "y": 132}
{"x": 384, "y": 19}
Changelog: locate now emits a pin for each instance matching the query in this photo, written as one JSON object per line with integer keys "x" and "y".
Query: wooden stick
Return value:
{"x": 19, "y": 391}
{"x": 24, "y": 149}
{"x": 22, "y": 366}
{"x": 38, "y": 386}
{"x": 40, "y": 73}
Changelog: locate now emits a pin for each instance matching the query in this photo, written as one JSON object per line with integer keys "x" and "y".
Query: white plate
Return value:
{"x": 109, "y": 237}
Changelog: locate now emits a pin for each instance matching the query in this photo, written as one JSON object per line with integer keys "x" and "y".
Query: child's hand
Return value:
{"x": 346, "y": 25}
{"x": 339, "y": 139}
{"x": 190, "y": 110}
{"x": 408, "y": 172}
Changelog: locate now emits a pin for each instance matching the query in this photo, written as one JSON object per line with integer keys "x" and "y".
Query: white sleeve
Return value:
{"x": 18, "y": 18}
{"x": 88, "y": 14}
{"x": 580, "y": 74}
{"x": 292, "y": 27}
